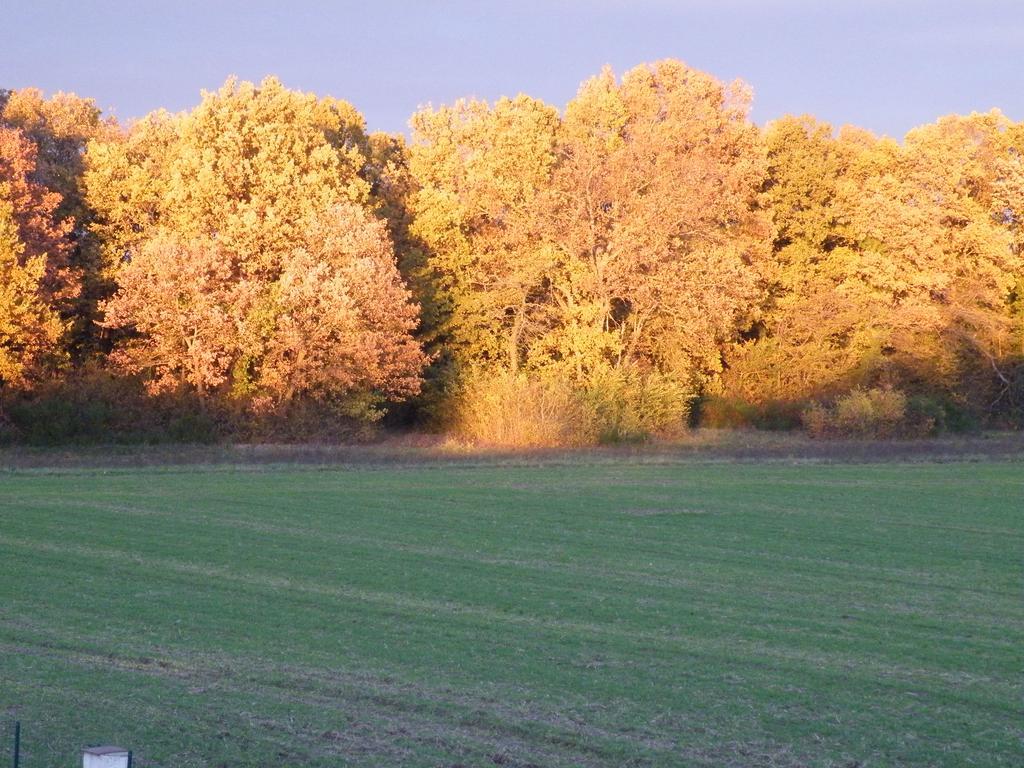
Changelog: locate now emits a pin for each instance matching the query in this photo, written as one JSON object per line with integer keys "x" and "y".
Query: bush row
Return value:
{"x": 96, "y": 407}
{"x": 501, "y": 409}
{"x": 871, "y": 413}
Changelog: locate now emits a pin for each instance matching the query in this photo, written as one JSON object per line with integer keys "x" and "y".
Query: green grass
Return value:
{"x": 616, "y": 614}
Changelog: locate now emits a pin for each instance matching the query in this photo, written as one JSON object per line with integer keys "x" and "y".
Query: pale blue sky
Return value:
{"x": 887, "y": 66}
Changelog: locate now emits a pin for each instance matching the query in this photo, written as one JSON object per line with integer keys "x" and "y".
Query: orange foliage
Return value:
{"x": 34, "y": 208}
{"x": 34, "y": 273}
{"x": 575, "y": 277}
{"x": 248, "y": 263}
{"x": 892, "y": 264}
{"x": 612, "y": 244}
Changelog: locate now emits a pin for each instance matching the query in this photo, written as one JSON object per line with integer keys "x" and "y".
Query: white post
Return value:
{"x": 105, "y": 757}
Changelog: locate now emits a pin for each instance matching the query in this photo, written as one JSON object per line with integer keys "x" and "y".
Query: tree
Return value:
{"x": 654, "y": 221}
{"x": 179, "y": 299}
{"x": 479, "y": 172}
{"x": 34, "y": 273}
{"x": 613, "y": 244}
{"x": 29, "y": 328}
{"x": 891, "y": 264}
{"x": 60, "y": 128}
{"x": 343, "y": 318}
{"x": 33, "y": 208}
{"x": 127, "y": 181}
{"x": 821, "y": 324}
{"x": 248, "y": 261}
{"x": 962, "y": 249}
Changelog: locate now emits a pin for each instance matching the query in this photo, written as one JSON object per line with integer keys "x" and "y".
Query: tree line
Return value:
{"x": 263, "y": 267}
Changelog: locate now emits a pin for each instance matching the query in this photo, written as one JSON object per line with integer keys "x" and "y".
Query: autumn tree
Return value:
{"x": 891, "y": 265}
{"x": 956, "y": 236}
{"x": 552, "y": 277}
{"x": 30, "y": 329}
{"x": 605, "y": 249}
{"x": 35, "y": 277}
{"x": 59, "y": 128}
{"x": 33, "y": 207}
{"x": 248, "y": 260}
{"x": 127, "y": 178}
{"x": 480, "y": 170}
{"x": 393, "y": 189}
{"x": 1008, "y": 209}
{"x": 1008, "y": 185}
{"x": 343, "y": 316}
{"x": 653, "y": 221}
{"x": 821, "y": 322}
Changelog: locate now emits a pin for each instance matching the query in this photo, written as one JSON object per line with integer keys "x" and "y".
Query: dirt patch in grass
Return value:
{"x": 658, "y": 512}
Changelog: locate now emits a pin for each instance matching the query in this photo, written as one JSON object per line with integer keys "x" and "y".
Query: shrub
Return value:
{"x": 925, "y": 415}
{"x": 95, "y": 407}
{"x": 722, "y": 413}
{"x": 625, "y": 405}
{"x": 777, "y": 415}
{"x": 726, "y": 413}
{"x": 873, "y": 413}
{"x": 512, "y": 409}
{"x": 545, "y": 409}
{"x": 817, "y": 420}
{"x": 870, "y": 413}
{"x": 346, "y": 419}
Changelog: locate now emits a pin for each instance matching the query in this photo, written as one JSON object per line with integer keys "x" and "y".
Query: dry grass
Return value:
{"x": 419, "y": 449}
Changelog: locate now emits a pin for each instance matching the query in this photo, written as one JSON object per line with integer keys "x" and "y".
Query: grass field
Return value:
{"x": 591, "y": 614}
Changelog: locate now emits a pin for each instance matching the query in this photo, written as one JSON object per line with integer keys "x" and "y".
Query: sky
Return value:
{"x": 887, "y": 65}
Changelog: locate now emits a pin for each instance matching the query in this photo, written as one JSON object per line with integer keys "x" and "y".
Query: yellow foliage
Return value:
{"x": 620, "y": 236}
{"x": 29, "y": 328}
{"x": 579, "y": 276}
{"x": 547, "y": 409}
{"x": 890, "y": 262}
{"x": 247, "y": 259}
